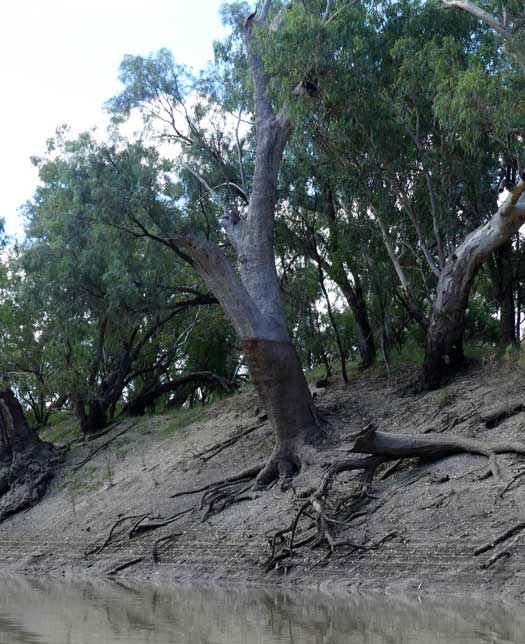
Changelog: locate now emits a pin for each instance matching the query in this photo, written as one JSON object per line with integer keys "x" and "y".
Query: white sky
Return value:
{"x": 59, "y": 63}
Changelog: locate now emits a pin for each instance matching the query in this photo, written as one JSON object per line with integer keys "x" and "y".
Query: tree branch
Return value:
{"x": 482, "y": 15}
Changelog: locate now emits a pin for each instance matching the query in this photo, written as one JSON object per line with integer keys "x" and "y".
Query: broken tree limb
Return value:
{"x": 394, "y": 446}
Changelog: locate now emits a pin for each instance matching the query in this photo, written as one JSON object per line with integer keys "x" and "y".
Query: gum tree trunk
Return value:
{"x": 251, "y": 296}
{"x": 444, "y": 352}
{"x": 26, "y": 463}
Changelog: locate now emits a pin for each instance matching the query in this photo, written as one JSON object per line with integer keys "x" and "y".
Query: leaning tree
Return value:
{"x": 477, "y": 85}
{"x": 248, "y": 287}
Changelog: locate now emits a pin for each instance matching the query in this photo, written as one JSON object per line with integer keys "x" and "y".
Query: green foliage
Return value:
{"x": 403, "y": 113}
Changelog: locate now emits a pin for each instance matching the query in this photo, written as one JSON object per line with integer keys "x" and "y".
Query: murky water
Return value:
{"x": 41, "y": 611}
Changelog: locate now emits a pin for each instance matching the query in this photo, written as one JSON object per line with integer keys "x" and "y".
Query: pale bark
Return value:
{"x": 251, "y": 297}
{"x": 506, "y": 31}
{"x": 482, "y": 15}
{"x": 444, "y": 351}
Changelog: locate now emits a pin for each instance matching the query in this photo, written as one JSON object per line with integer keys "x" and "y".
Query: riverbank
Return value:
{"x": 425, "y": 524}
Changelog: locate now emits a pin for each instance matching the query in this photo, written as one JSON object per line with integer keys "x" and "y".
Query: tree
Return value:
{"x": 506, "y": 124}
{"x": 250, "y": 296}
{"x": 99, "y": 299}
{"x": 444, "y": 353}
{"x": 509, "y": 24}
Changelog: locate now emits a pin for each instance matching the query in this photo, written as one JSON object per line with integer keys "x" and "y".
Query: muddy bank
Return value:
{"x": 434, "y": 515}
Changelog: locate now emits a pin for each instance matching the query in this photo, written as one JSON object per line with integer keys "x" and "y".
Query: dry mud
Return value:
{"x": 440, "y": 512}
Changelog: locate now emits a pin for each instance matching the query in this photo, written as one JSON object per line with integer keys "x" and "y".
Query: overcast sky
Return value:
{"x": 59, "y": 64}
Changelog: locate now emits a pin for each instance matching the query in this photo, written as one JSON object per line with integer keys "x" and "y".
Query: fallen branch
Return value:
{"x": 393, "y": 446}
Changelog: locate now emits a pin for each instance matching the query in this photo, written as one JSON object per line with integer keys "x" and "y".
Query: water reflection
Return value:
{"x": 41, "y": 611}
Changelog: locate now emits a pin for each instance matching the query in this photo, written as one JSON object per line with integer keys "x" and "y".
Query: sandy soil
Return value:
{"x": 440, "y": 512}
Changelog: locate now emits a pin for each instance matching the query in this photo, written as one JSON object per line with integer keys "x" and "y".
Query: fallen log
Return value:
{"x": 394, "y": 446}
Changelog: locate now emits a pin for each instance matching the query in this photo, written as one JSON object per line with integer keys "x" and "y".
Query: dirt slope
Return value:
{"x": 435, "y": 514}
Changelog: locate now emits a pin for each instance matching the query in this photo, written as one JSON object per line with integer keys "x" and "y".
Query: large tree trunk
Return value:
{"x": 277, "y": 375}
{"x": 444, "y": 352}
{"x": 251, "y": 297}
{"x": 92, "y": 415}
{"x": 26, "y": 463}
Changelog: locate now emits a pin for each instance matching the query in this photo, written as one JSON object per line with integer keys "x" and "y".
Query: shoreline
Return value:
{"x": 436, "y": 513}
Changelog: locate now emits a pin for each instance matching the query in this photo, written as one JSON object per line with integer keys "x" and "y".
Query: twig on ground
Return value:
{"x": 511, "y": 482}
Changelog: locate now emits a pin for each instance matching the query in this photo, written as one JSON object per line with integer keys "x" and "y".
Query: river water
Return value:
{"x": 44, "y": 611}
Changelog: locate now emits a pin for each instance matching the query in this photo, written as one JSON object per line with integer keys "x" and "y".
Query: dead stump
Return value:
{"x": 26, "y": 462}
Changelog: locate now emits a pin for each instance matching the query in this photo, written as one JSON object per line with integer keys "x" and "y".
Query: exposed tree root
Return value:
{"x": 496, "y": 416}
{"x": 211, "y": 452}
{"x": 217, "y": 496}
{"x": 327, "y": 514}
{"x": 162, "y": 541}
{"x": 510, "y": 532}
{"x": 112, "y": 533}
{"x": 155, "y": 523}
{"x": 244, "y": 475}
{"x": 496, "y": 556}
{"x": 101, "y": 447}
{"x": 123, "y": 566}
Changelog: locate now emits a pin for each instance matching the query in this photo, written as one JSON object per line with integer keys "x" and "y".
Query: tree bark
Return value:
{"x": 26, "y": 463}
{"x": 277, "y": 375}
{"x": 444, "y": 351}
{"x": 365, "y": 336}
{"x": 505, "y": 293}
{"x": 92, "y": 415}
{"x": 251, "y": 297}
